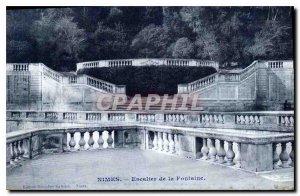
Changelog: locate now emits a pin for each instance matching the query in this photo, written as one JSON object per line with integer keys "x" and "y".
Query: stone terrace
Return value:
{"x": 79, "y": 170}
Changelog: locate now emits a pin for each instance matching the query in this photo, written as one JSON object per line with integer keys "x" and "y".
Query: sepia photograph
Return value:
{"x": 150, "y": 98}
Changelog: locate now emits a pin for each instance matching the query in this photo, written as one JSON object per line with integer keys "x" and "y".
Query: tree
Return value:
{"x": 60, "y": 36}
{"x": 152, "y": 41}
{"x": 183, "y": 48}
{"x": 110, "y": 43}
{"x": 268, "y": 40}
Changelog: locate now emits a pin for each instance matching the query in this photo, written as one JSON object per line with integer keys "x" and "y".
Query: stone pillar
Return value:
{"x": 65, "y": 142}
{"x": 204, "y": 150}
{"x": 166, "y": 142}
{"x": 110, "y": 140}
{"x": 17, "y": 151}
{"x": 275, "y": 156}
{"x": 212, "y": 151}
{"x": 221, "y": 152}
{"x": 100, "y": 140}
{"x": 171, "y": 143}
{"x": 177, "y": 144}
{"x": 81, "y": 141}
{"x": 284, "y": 156}
{"x": 13, "y": 154}
{"x": 292, "y": 154}
{"x": 230, "y": 154}
{"x": 160, "y": 141}
{"x": 155, "y": 141}
{"x": 91, "y": 140}
{"x": 238, "y": 155}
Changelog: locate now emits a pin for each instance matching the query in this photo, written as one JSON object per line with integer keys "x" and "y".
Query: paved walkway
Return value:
{"x": 91, "y": 169}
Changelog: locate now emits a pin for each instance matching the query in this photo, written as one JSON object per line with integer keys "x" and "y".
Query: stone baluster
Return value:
{"x": 100, "y": 140}
{"x": 155, "y": 142}
{"x": 13, "y": 153}
{"x": 284, "y": 156}
{"x": 212, "y": 150}
{"x": 91, "y": 140}
{"x": 166, "y": 142}
{"x": 237, "y": 158}
{"x": 110, "y": 140}
{"x": 230, "y": 154}
{"x": 177, "y": 143}
{"x": 72, "y": 142}
{"x": 292, "y": 154}
{"x": 160, "y": 141}
{"x": 22, "y": 151}
{"x": 171, "y": 143}
{"x": 221, "y": 152}
{"x": 17, "y": 151}
{"x": 81, "y": 141}
{"x": 204, "y": 150}
{"x": 275, "y": 156}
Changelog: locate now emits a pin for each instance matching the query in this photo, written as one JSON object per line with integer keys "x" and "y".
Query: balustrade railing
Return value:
{"x": 232, "y": 75}
{"x": 116, "y": 117}
{"x": 52, "y": 74}
{"x": 222, "y": 147}
{"x": 145, "y": 117}
{"x": 148, "y": 62}
{"x": 203, "y": 82}
{"x": 21, "y": 67}
{"x": 100, "y": 84}
{"x": 264, "y": 121}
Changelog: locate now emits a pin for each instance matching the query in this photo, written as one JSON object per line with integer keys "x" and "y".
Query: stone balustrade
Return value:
{"x": 202, "y": 83}
{"x": 254, "y": 150}
{"x": 20, "y": 67}
{"x": 236, "y": 75}
{"x": 52, "y": 74}
{"x": 93, "y": 116}
{"x": 179, "y": 118}
{"x": 264, "y": 121}
{"x": 274, "y": 65}
{"x": 148, "y": 62}
{"x": 145, "y": 117}
{"x": 100, "y": 84}
{"x": 116, "y": 117}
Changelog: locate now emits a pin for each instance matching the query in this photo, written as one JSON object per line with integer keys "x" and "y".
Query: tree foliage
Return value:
{"x": 61, "y": 37}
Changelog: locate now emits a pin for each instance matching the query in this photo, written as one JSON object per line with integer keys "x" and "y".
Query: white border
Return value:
{"x": 4, "y": 3}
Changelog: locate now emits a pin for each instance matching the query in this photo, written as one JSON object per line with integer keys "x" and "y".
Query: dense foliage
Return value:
{"x": 61, "y": 37}
{"x": 149, "y": 79}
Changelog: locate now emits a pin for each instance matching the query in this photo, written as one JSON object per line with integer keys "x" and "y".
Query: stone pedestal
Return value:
{"x": 256, "y": 157}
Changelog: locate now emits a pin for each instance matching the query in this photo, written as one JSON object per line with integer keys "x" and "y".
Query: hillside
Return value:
{"x": 150, "y": 79}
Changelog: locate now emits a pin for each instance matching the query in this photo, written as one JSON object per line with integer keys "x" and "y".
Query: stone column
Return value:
{"x": 238, "y": 155}
{"x": 100, "y": 140}
{"x": 171, "y": 143}
{"x": 212, "y": 151}
{"x": 166, "y": 142}
{"x": 81, "y": 141}
{"x": 13, "y": 154}
{"x": 110, "y": 140}
{"x": 292, "y": 154}
{"x": 284, "y": 156}
{"x": 160, "y": 141}
{"x": 91, "y": 140}
{"x": 230, "y": 154}
{"x": 204, "y": 150}
{"x": 221, "y": 152}
{"x": 155, "y": 141}
{"x": 275, "y": 156}
{"x": 177, "y": 143}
